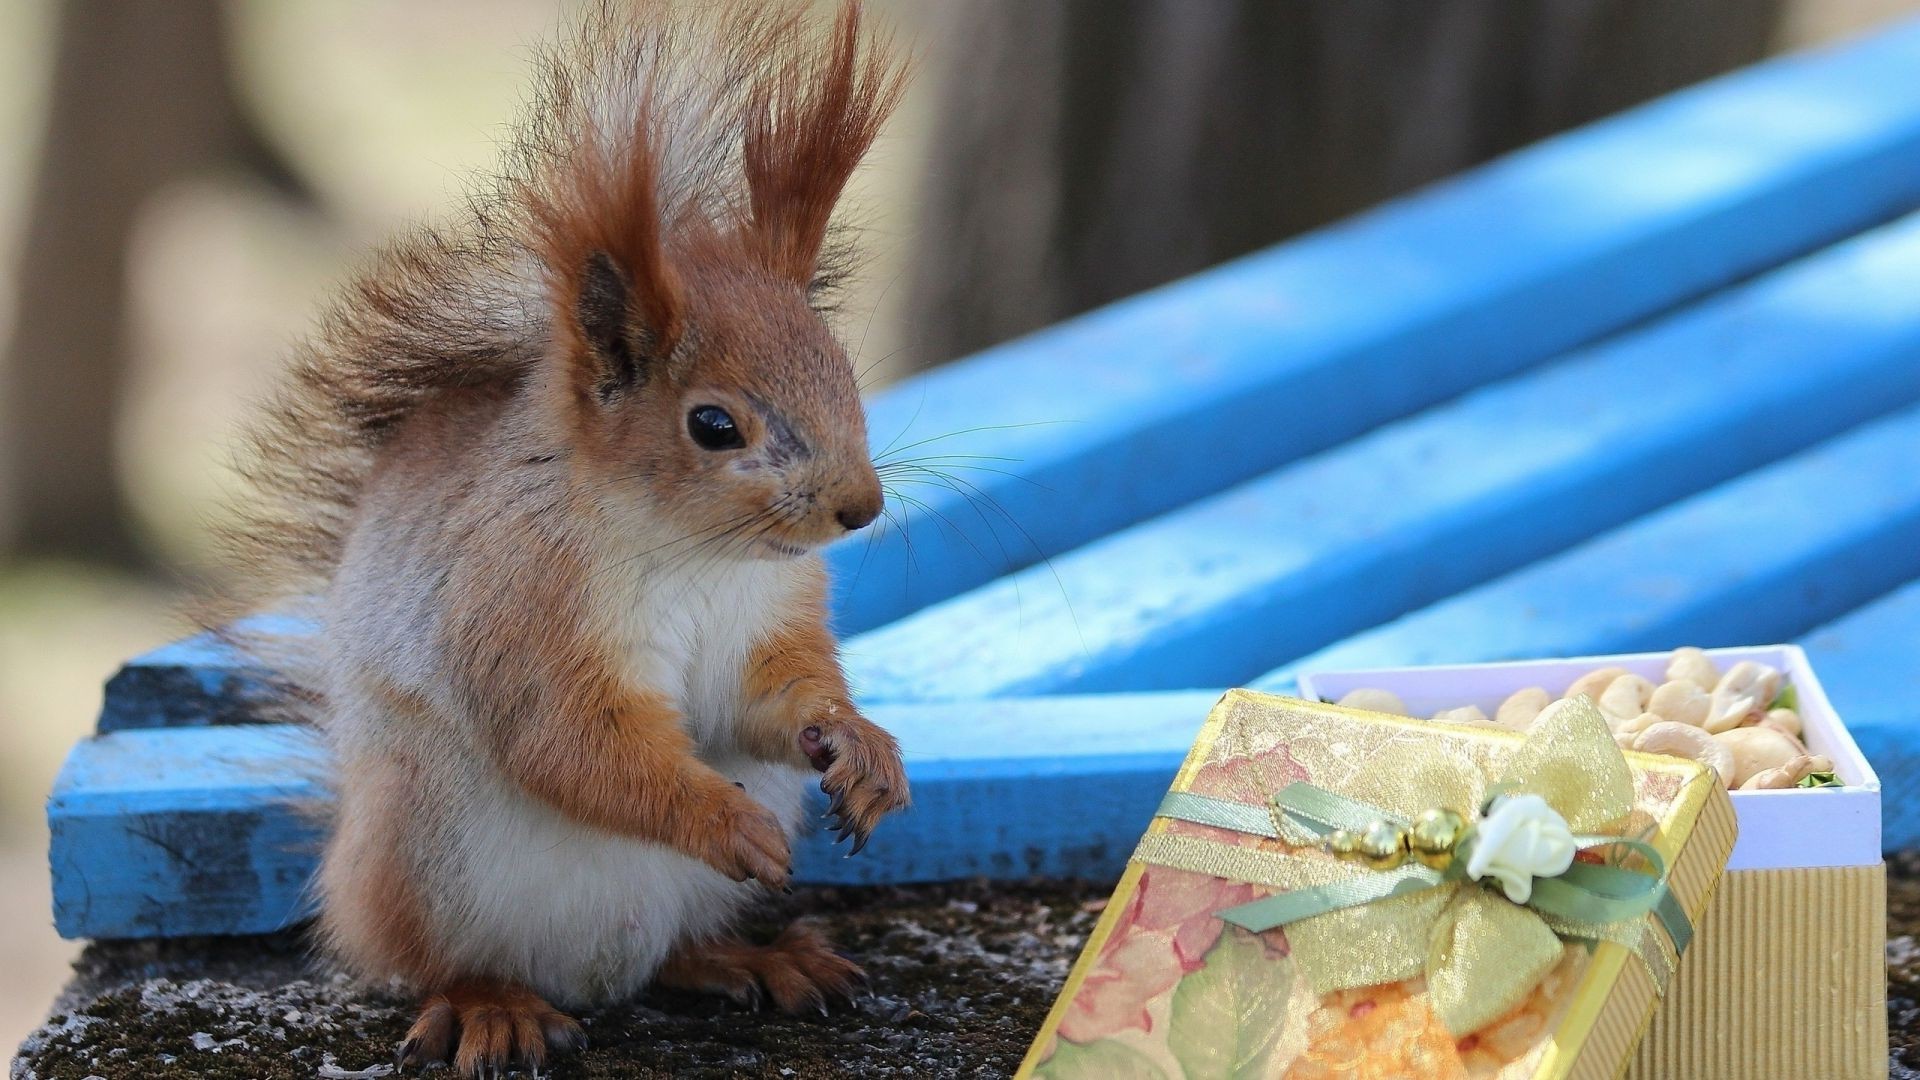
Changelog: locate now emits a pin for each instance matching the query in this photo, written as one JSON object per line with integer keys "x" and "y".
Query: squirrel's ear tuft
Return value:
{"x": 812, "y": 119}
{"x": 604, "y": 310}
{"x": 616, "y": 297}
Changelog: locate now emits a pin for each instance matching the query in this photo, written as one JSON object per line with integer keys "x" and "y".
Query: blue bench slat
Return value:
{"x": 172, "y": 832}
{"x": 1869, "y": 663}
{"x": 1161, "y": 399}
{"x": 1164, "y": 398}
{"x": 194, "y": 682}
{"x": 1217, "y": 592}
{"x": 1755, "y": 561}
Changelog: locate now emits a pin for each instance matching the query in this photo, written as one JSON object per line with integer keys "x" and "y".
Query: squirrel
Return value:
{"x": 552, "y": 484}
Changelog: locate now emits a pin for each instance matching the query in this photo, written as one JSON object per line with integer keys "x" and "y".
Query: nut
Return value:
{"x": 1594, "y": 682}
{"x": 1681, "y": 700}
{"x": 1638, "y": 724}
{"x": 1783, "y": 720}
{"x": 1372, "y": 700}
{"x": 1694, "y": 666}
{"x": 1625, "y": 697}
{"x": 1757, "y": 749}
{"x": 1788, "y": 775}
{"x": 1465, "y": 714}
{"x": 1685, "y": 740}
{"x": 1521, "y": 708}
{"x": 1744, "y": 691}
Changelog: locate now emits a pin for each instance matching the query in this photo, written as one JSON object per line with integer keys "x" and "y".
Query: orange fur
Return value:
{"x": 798, "y": 970}
{"x": 567, "y": 623}
{"x": 797, "y": 700}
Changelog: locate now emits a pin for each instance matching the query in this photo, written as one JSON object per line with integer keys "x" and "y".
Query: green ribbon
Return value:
{"x": 1585, "y": 893}
{"x": 1479, "y": 950}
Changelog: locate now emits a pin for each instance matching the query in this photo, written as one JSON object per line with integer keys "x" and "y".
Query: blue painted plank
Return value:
{"x": 194, "y": 682}
{"x": 1867, "y": 662}
{"x": 1150, "y": 403}
{"x": 172, "y": 832}
{"x": 167, "y": 833}
{"x": 1156, "y": 401}
{"x": 1215, "y": 593}
{"x": 1751, "y": 562}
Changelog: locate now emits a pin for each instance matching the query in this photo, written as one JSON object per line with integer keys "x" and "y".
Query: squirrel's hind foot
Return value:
{"x": 486, "y": 1027}
{"x": 798, "y": 971}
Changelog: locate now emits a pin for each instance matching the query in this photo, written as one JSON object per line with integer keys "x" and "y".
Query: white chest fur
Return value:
{"x": 689, "y": 626}
{"x": 586, "y": 916}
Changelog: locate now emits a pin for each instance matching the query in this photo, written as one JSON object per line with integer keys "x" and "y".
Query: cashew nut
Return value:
{"x": 1593, "y": 682}
{"x": 1373, "y": 700}
{"x": 1787, "y": 775}
{"x": 1685, "y": 740}
{"x": 1757, "y": 749}
{"x": 1465, "y": 714}
{"x": 1681, "y": 700}
{"x": 1625, "y": 697}
{"x": 1638, "y": 724}
{"x": 1785, "y": 720}
{"x": 1744, "y": 691}
{"x": 1521, "y": 708}
{"x": 1694, "y": 666}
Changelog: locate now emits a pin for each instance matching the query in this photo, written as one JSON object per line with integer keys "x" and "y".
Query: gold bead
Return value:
{"x": 1433, "y": 836}
{"x": 1383, "y": 845}
{"x": 1340, "y": 842}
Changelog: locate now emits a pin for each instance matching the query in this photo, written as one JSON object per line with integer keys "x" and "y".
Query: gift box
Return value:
{"x": 1331, "y": 892}
{"x": 1788, "y": 975}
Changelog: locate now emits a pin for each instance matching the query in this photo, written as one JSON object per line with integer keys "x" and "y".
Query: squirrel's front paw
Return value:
{"x": 746, "y": 842}
{"x": 864, "y": 777}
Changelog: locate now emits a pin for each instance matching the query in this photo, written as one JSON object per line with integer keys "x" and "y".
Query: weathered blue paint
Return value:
{"x": 1127, "y": 420}
{"x": 194, "y": 682}
{"x": 1153, "y": 402}
{"x": 171, "y": 832}
{"x": 1758, "y": 560}
{"x": 1217, "y": 592}
{"x": 1869, "y": 663}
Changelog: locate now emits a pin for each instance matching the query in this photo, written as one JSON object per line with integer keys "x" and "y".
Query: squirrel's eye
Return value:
{"x": 712, "y": 427}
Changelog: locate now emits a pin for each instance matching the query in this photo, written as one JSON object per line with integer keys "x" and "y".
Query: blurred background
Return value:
{"x": 181, "y": 182}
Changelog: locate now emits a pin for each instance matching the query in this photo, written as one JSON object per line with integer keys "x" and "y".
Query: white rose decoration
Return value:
{"x": 1520, "y": 839}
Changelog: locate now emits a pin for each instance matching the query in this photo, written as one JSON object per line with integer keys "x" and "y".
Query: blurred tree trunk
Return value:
{"x": 1089, "y": 149}
{"x": 142, "y": 93}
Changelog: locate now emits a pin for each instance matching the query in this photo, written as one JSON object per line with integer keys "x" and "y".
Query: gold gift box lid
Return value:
{"x": 1586, "y": 1022}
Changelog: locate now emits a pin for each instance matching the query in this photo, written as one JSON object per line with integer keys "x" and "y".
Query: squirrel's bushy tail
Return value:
{"x": 653, "y": 124}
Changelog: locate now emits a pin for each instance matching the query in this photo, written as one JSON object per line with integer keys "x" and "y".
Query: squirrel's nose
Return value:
{"x": 858, "y": 515}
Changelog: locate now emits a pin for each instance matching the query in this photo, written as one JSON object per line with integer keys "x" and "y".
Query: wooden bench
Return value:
{"x": 1653, "y": 382}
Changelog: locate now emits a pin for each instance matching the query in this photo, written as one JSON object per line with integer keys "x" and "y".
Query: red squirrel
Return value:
{"x": 552, "y": 483}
